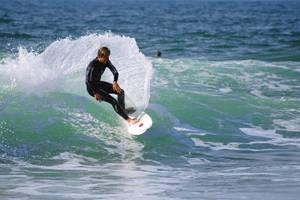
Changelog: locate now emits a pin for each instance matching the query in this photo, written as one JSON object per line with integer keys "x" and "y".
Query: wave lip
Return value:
{"x": 65, "y": 60}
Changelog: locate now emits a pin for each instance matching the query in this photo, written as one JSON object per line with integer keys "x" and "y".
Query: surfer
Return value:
{"x": 101, "y": 89}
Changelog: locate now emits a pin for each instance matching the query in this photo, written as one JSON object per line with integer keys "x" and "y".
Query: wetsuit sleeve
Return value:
{"x": 90, "y": 78}
{"x": 113, "y": 70}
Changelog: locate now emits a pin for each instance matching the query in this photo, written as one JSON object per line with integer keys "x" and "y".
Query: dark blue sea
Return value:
{"x": 224, "y": 98}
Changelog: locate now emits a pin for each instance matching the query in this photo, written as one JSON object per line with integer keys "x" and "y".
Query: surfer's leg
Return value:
{"x": 121, "y": 99}
{"x": 89, "y": 90}
{"x": 117, "y": 107}
{"x": 107, "y": 87}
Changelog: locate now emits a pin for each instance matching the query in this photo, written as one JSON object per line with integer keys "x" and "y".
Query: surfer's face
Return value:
{"x": 103, "y": 58}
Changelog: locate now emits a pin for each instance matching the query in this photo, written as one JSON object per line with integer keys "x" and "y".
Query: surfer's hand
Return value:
{"x": 116, "y": 87}
{"x": 98, "y": 97}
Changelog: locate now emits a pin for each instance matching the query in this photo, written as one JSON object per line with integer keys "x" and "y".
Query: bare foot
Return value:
{"x": 132, "y": 121}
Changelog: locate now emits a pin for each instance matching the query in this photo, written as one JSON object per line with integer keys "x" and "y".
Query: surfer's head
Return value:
{"x": 103, "y": 54}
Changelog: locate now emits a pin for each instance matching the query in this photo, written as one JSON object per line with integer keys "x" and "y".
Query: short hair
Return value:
{"x": 103, "y": 51}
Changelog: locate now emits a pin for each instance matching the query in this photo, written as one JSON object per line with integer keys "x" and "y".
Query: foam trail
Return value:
{"x": 65, "y": 61}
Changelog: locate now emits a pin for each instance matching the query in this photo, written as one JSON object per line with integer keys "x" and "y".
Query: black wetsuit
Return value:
{"x": 94, "y": 72}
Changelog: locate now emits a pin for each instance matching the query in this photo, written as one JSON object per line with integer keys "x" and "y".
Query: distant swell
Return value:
{"x": 16, "y": 35}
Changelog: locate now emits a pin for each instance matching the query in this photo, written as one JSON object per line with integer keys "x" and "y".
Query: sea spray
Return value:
{"x": 61, "y": 67}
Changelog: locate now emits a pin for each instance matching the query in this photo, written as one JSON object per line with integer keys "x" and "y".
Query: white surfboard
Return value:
{"x": 145, "y": 122}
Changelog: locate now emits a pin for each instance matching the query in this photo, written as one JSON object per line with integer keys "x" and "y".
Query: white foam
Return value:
{"x": 268, "y": 137}
{"x": 271, "y": 136}
{"x": 225, "y": 90}
{"x": 289, "y": 125}
{"x": 218, "y": 146}
{"x": 259, "y": 132}
{"x": 257, "y": 93}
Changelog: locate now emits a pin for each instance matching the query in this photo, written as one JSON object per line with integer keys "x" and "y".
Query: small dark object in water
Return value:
{"x": 158, "y": 54}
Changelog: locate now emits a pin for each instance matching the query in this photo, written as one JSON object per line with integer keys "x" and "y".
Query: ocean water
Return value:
{"x": 224, "y": 99}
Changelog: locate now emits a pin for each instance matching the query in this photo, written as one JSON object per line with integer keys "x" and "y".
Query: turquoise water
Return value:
{"x": 224, "y": 99}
